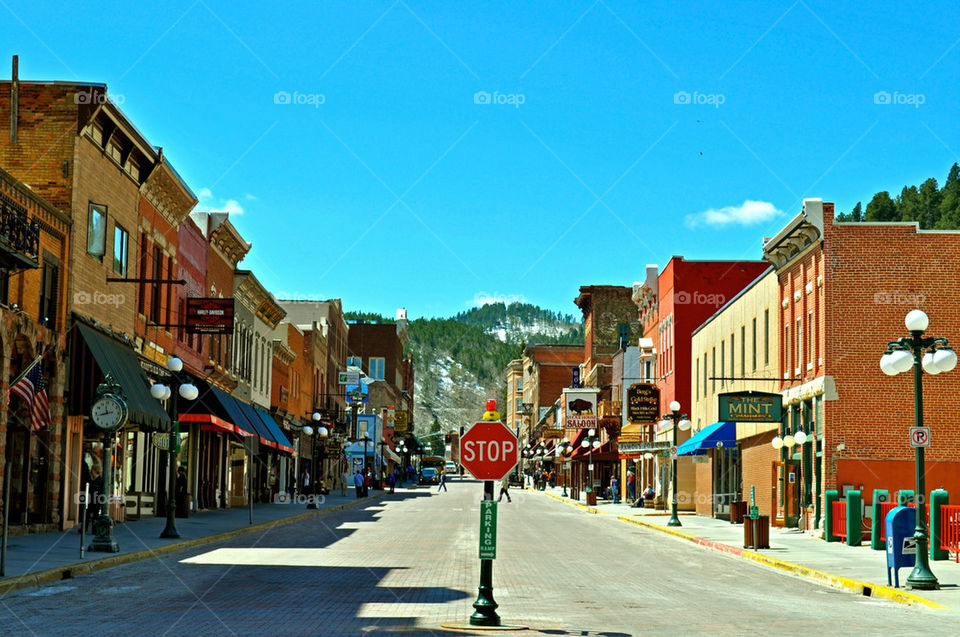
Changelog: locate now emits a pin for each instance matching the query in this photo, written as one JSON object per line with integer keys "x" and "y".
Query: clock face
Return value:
{"x": 108, "y": 413}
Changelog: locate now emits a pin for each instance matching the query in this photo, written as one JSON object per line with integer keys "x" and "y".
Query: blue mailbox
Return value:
{"x": 900, "y": 525}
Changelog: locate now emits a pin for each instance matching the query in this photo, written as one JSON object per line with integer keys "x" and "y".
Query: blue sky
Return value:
{"x": 429, "y": 154}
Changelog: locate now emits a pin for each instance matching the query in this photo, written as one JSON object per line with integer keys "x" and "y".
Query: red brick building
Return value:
{"x": 845, "y": 290}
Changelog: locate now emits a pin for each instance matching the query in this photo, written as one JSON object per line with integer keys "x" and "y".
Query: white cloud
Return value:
{"x": 484, "y": 298}
{"x": 217, "y": 204}
{"x": 746, "y": 214}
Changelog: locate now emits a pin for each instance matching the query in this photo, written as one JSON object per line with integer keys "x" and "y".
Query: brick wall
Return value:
{"x": 757, "y": 457}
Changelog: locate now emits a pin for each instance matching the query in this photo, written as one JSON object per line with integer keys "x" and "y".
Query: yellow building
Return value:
{"x": 736, "y": 350}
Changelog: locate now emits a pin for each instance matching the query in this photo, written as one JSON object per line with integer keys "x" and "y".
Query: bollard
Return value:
{"x": 831, "y": 497}
{"x": 876, "y": 531}
{"x": 854, "y": 518}
{"x": 938, "y": 498}
{"x": 905, "y": 497}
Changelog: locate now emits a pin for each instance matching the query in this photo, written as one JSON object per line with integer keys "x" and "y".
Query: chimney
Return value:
{"x": 14, "y": 99}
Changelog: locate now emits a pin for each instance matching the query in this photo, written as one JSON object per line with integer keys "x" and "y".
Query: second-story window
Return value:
{"x": 120, "y": 243}
{"x": 519, "y": 385}
{"x": 97, "y": 231}
{"x": 376, "y": 368}
{"x": 48, "y": 293}
{"x": 155, "y": 286}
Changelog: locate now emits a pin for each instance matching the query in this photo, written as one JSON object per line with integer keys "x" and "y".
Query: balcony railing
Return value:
{"x": 19, "y": 236}
{"x": 610, "y": 408}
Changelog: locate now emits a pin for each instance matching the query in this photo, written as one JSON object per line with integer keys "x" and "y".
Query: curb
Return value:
{"x": 58, "y": 573}
{"x": 836, "y": 581}
{"x": 586, "y": 508}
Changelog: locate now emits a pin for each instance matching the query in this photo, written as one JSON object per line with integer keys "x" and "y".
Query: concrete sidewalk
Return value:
{"x": 45, "y": 557}
{"x": 856, "y": 568}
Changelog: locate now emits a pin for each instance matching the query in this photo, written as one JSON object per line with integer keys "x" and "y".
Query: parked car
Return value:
{"x": 452, "y": 469}
{"x": 428, "y": 475}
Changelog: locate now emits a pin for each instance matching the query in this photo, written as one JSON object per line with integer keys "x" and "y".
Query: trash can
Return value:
{"x": 762, "y": 539}
{"x": 591, "y": 498}
{"x": 738, "y": 511}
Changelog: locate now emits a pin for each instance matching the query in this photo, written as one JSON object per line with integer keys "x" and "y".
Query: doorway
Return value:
{"x": 726, "y": 480}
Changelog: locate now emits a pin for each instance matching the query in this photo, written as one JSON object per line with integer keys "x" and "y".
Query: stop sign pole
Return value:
{"x": 488, "y": 450}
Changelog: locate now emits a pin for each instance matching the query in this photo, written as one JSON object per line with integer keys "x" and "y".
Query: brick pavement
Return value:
{"x": 406, "y": 563}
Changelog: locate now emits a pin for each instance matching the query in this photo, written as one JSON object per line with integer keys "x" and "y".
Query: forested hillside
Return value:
{"x": 931, "y": 206}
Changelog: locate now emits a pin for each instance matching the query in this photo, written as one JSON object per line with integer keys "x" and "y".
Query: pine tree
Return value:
{"x": 881, "y": 208}
{"x": 948, "y": 207}
{"x": 857, "y": 213}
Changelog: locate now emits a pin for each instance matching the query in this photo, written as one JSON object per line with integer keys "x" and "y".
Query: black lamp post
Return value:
{"x": 525, "y": 454}
{"x": 562, "y": 448}
{"x": 591, "y": 442}
{"x": 931, "y": 355}
{"x": 188, "y": 391}
{"x": 318, "y": 434}
{"x": 678, "y": 421}
{"x": 383, "y": 444}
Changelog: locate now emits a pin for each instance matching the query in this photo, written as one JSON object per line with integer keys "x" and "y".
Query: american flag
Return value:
{"x": 33, "y": 390}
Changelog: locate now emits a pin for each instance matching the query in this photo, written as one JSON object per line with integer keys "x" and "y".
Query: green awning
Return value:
{"x": 117, "y": 359}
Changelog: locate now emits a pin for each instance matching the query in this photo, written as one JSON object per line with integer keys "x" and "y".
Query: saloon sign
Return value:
{"x": 750, "y": 406}
{"x": 643, "y": 403}
{"x": 580, "y": 408}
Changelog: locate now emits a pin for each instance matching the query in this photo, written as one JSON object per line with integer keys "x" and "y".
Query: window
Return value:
{"x": 753, "y": 349}
{"x": 114, "y": 150}
{"x": 354, "y": 361}
{"x": 799, "y": 343}
{"x": 169, "y": 304}
{"x": 704, "y": 373}
{"x": 648, "y": 371}
{"x": 97, "y": 231}
{"x": 519, "y": 385}
{"x": 733, "y": 358}
{"x": 141, "y": 286}
{"x": 4, "y": 285}
{"x": 132, "y": 169}
{"x": 48, "y": 293}
{"x": 787, "y": 352}
{"x": 155, "y": 286}
{"x": 97, "y": 132}
{"x": 376, "y": 367}
{"x": 811, "y": 341}
{"x": 120, "y": 241}
{"x": 766, "y": 337}
{"x": 518, "y": 405}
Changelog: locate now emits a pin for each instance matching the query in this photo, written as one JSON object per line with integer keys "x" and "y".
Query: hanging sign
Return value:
{"x": 750, "y": 406}
{"x": 643, "y": 403}
{"x": 580, "y": 408}
{"x": 209, "y": 316}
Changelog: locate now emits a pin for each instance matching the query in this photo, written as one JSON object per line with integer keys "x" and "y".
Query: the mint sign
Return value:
{"x": 488, "y": 530}
{"x": 750, "y": 406}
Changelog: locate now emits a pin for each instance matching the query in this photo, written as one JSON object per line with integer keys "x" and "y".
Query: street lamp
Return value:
{"x": 382, "y": 444}
{"x": 931, "y": 355}
{"x": 679, "y": 421}
{"x": 591, "y": 442}
{"x": 527, "y": 453}
{"x": 187, "y": 391}
{"x": 318, "y": 433}
{"x": 366, "y": 438}
{"x": 562, "y": 448}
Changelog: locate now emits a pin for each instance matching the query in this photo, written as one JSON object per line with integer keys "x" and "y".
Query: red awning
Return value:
{"x": 210, "y": 422}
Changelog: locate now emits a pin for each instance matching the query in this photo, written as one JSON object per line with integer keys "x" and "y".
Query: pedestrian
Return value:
{"x": 631, "y": 485}
{"x": 305, "y": 481}
{"x": 505, "y": 489}
{"x": 344, "y": 481}
{"x": 95, "y": 505}
{"x": 367, "y": 479}
{"x": 392, "y": 481}
{"x": 182, "y": 506}
{"x": 615, "y": 489}
{"x": 648, "y": 495}
{"x": 358, "y": 483}
{"x": 443, "y": 481}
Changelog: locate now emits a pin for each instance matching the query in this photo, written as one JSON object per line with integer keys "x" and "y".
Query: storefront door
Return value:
{"x": 726, "y": 480}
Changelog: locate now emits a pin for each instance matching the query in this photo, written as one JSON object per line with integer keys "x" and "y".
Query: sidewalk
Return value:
{"x": 46, "y": 557}
{"x": 856, "y": 568}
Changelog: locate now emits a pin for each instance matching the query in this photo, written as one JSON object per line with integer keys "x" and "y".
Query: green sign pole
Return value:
{"x": 754, "y": 509}
{"x": 486, "y": 607}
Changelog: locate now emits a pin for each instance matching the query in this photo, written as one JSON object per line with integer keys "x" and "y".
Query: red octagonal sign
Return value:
{"x": 489, "y": 450}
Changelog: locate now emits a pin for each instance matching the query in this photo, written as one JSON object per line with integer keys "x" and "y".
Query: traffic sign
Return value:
{"x": 754, "y": 512}
{"x": 919, "y": 436}
{"x": 488, "y": 530}
{"x": 489, "y": 450}
{"x": 673, "y": 452}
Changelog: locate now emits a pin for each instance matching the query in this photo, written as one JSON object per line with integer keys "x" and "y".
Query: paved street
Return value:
{"x": 407, "y": 563}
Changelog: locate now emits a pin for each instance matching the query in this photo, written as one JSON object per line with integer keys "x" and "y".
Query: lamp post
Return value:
{"x": 931, "y": 355}
{"x": 526, "y": 454}
{"x": 562, "y": 448}
{"x": 591, "y": 442}
{"x": 319, "y": 433}
{"x": 366, "y": 438}
{"x": 383, "y": 444}
{"x": 679, "y": 421}
{"x": 187, "y": 391}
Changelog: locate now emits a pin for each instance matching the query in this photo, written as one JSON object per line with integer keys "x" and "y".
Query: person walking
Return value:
{"x": 367, "y": 479}
{"x": 505, "y": 489}
{"x": 615, "y": 489}
{"x": 358, "y": 483}
{"x": 391, "y": 480}
{"x": 632, "y": 485}
{"x": 344, "y": 481}
{"x": 443, "y": 481}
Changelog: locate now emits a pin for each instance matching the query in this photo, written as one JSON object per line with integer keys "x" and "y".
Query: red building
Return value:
{"x": 672, "y": 305}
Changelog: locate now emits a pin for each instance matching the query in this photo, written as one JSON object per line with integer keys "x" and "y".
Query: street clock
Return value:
{"x": 109, "y": 410}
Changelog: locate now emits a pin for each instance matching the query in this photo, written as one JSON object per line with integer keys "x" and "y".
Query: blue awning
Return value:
{"x": 275, "y": 432}
{"x": 715, "y": 436}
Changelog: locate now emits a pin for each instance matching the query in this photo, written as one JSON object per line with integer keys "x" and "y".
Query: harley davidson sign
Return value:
{"x": 209, "y": 316}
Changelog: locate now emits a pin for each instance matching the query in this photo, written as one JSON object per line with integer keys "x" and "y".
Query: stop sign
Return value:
{"x": 489, "y": 450}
